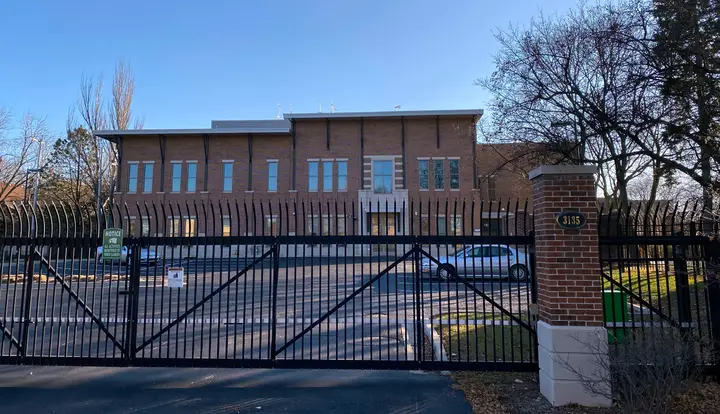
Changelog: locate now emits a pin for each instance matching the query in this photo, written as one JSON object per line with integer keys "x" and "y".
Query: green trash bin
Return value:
{"x": 615, "y": 309}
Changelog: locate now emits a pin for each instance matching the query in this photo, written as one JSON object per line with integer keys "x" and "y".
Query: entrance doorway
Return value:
{"x": 383, "y": 224}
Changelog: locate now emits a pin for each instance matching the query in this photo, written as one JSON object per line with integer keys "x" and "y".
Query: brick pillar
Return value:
{"x": 569, "y": 286}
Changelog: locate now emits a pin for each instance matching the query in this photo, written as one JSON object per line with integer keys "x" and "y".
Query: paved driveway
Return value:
{"x": 182, "y": 390}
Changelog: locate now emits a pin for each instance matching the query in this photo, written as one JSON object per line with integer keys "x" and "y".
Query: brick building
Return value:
{"x": 387, "y": 169}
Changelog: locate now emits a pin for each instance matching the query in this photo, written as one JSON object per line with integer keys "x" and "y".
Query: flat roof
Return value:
{"x": 386, "y": 114}
{"x": 213, "y": 131}
{"x": 281, "y": 126}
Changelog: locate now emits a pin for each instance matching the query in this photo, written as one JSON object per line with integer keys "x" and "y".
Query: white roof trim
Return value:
{"x": 210, "y": 131}
{"x": 385, "y": 114}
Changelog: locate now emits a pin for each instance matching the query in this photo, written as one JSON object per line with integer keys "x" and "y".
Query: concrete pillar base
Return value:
{"x": 562, "y": 347}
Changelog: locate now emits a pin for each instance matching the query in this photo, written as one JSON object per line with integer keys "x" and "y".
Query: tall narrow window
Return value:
{"x": 130, "y": 226}
{"x": 326, "y": 225}
{"x": 227, "y": 176}
{"x": 271, "y": 225}
{"x": 148, "y": 178}
{"x": 491, "y": 187}
{"x": 327, "y": 175}
{"x": 441, "y": 226}
{"x": 424, "y": 174}
{"x": 454, "y": 174}
{"x": 439, "y": 172}
{"x": 226, "y": 225}
{"x": 272, "y": 175}
{"x": 174, "y": 223}
{"x": 456, "y": 225}
{"x": 191, "y": 177}
{"x": 341, "y": 225}
{"x": 132, "y": 178}
{"x": 342, "y": 175}
{"x": 313, "y": 225}
{"x": 383, "y": 176}
{"x": 190, "y": 226}
{"x": 312, "y": 176}
{"x": 176, "y": 177}
{"x": 145, "y": 226}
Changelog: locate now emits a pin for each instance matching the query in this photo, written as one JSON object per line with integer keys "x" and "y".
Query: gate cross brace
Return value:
{"x": 205, "y": 299}
{"x": 484, "y": 296}
{"x": 81, "y": 303}
{"x": 339, "y": 305}
{"x": 9, "y": 335}
{"x": 641, "y": 300}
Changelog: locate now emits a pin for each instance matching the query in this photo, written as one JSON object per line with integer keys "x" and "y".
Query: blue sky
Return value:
{"x": 200, "y": 60}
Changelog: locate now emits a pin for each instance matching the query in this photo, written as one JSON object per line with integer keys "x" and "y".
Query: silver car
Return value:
{"x": 485, "y": 260}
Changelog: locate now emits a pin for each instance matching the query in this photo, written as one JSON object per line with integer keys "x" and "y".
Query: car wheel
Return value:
{"x": 519, "y": 273}
{"x": 445, "y": 272}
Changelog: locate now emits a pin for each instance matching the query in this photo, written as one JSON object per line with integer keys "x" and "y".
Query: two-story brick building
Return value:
{"x": 387, "y": 169}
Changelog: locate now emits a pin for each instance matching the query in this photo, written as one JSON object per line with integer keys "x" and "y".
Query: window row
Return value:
{"x": 323, "y": 175}
{"x": 176, "y": 170}
{"x": 333, "y": 173}
{"x": 438, "y": 173}
{"x": 186, "y": 226}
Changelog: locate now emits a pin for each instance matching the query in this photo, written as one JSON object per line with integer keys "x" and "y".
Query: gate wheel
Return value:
{"x": 519, "y": 273}
{"x": 445, "y": 272}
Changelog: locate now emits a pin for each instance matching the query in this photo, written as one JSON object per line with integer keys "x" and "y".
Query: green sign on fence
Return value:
{"x": 112, "y": 244}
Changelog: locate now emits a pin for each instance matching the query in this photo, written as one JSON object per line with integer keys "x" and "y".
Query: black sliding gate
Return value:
{"x": 454, "y": 292}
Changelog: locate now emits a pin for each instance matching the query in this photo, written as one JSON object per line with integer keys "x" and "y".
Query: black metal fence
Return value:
{"x": 431, "y": 285}
{"x": 660, "y": 285}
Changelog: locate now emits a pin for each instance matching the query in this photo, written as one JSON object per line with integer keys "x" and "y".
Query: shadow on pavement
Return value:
{"x": 183, "y": 390}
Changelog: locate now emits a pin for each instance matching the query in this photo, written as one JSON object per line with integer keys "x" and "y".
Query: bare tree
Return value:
{"x": 120, "y": 107}
{"x": 575, "y": 86}
{"x": 87, "y": 164}
{"x": 18, "y": 152}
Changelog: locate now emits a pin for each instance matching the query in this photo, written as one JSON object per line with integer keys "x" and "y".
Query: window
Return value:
{"x": 342, "y": 175}
{"x": 456, "y": 226}
{"x": 190, "y": 226}
{"x": 327, "y": 175}
{"x": 226, "y": 225}
{"x": 272, "y": 175}
{"x": 476, "y": 252}
{"x": 144, "y": 226}
{"x": 176, "y": 177}
{"x": 227, "y": 176}
{"x": 174, "y": 226}
{"x": 271, "y": 225}
{"x": 383, "y": 176}
{"x": 424, "y": 174}
{"x": 495, "y": 251}
{"x": 132, "y": 178}
{"x": 313, "y": 225}
{"x": 424, "y": 223}
{"x": 191, "y": 177}
{"x": 491, "y": 187}
{"x": 148, "y": 178}
{"x": 326, "y": 225}
{"x": 130, "y": 226}
{"x": 454, "y": 174}
{"x": 312, "y": 176}
{"x": 441, "y": 226}
{"x": 439, "y": 170}
{"x": 340, "y": 225}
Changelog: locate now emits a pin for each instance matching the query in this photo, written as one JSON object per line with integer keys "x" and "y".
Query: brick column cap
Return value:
{"x": 562, "y": 170}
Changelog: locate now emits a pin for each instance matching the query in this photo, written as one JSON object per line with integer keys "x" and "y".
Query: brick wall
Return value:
{"x": 381, "y": 137}
{"x": 568, "y": 279}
